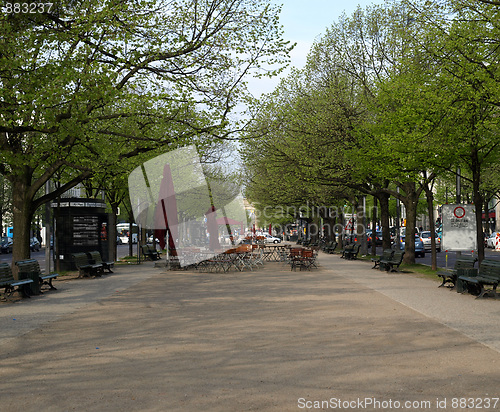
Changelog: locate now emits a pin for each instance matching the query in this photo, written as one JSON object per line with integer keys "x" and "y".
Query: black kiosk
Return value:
{"x": 81, "y": 225}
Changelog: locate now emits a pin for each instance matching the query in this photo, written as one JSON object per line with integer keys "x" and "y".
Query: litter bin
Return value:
{"x": 461, "y": 286}
{"x": 31, "y": 288}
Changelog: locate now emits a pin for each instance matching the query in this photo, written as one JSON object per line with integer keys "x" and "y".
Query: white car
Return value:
{"x": 490, "y": 242}
{"x": 124, "y": 239}
{"x": 426, "y": 239}
{"x": 271, "y": 239}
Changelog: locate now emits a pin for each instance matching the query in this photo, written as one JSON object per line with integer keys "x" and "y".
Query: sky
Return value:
{"x": 303, "y": 21}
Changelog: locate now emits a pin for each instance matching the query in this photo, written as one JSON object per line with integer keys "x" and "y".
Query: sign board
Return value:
{"x": 459, "y": 228}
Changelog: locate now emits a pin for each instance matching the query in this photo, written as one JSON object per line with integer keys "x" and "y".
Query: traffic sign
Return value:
{"x": 459, "y": 228}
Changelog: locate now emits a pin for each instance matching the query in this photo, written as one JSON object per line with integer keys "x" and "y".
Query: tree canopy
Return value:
{"x": 89, "y": 84}
{"x": 391, "y": 98}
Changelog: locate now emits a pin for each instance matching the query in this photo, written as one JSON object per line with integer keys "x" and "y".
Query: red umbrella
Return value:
{"x": 166, "y": 211}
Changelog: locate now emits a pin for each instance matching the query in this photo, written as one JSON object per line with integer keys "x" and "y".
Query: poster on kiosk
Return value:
{"x": 459, "y": 228}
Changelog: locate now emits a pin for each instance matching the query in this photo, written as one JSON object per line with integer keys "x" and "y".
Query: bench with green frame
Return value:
{"x": 150, "y": 252}
{"x": 85, "y": 266}
{"x": 475, "y": 279}
{"x": 11, "y": 285}
{"x": 450, "y": 276}
{"x": 392, "y": 264}
{"x": 30, "y": 268}
{"x": 95, "y": 257}
{"x": 330, "y": 247}
{"x": 385, "y": 256}
{"x": 351, "y": 251}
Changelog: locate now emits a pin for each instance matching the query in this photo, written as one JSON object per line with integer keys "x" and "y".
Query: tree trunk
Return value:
{"x": 374, "y": 227}
{"x": 430, "y": 210}
{"x": 410, "y": 201}
{"x": 478, "y": 199}
{"x": 112, "y": 252}
{"x": 361, "y": 226}
{"x": 22, "y": 214}
{"x": 130, "y": 238}
{"x": 383, "y": 199}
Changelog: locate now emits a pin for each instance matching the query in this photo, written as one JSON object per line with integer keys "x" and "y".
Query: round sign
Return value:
{"x": 459, "y": 212}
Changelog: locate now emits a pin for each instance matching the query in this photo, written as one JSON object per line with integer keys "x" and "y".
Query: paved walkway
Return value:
{"x": 476, "y": 318}
{"x": 144, "y": 339}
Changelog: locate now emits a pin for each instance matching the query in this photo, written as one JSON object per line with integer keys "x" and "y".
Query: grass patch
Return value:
{"x": 128, "y": 260}
{"x": 417, "y": 269}
{"x": 63, "y": 273}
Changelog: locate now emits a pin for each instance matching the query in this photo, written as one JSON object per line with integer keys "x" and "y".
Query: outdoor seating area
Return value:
{"x": 303, "y": 258}
{"x": 248, "y": 257}
{"x": 450, "y": 276}
{"x": 238, "y": 258}
{"x": 29, "y": 282}
{"x": 482, "y": 281}
{"x": 85, "y": 265}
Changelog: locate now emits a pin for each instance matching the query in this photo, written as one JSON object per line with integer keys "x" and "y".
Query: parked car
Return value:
{"x": 124, "y": 239}
{"x": 427, "y": 240}
{"x": 7, "y": 243}
{"x": 419, "y": 245}
{"x": 34, "y": 244}
{"x": 378, "y": 238}
{"x": 271, "y": 239}
{"x": 490, "y": 242}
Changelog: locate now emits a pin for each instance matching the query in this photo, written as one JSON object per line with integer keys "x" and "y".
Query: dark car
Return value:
{"x": 419, "y": 245}
{"x": 7, "y": 243}
{"x": 378, "y": 238}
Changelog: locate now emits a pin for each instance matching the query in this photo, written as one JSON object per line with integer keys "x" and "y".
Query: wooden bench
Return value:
{"x": 488, "y": 274}
{"x": 392, "y": 264}
{"x": 386, "y": 256}
{"x": 85, "y": 267}
{"x": 450, "y": 276}
{"x": 95, "y": 257}
{"x": 150, "y": 252}
{"x": 30, "y": 268}
{"x": 350, "y": 252}
{"x": 10, "y": 284}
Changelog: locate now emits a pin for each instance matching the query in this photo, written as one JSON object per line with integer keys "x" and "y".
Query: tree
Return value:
{"x": 5, "y": 200}
{"x": 88, "y": 84}
{"x": 466, "y": 50}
